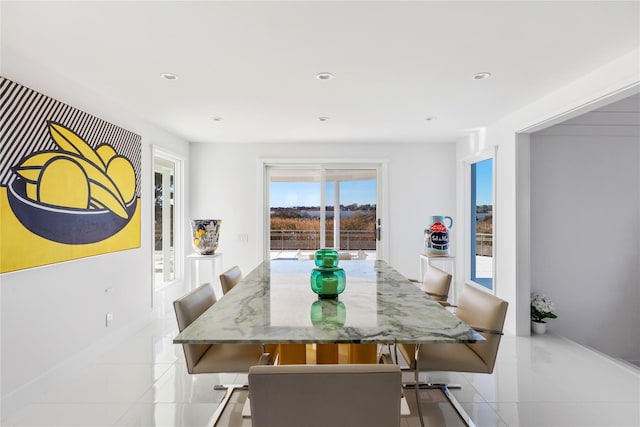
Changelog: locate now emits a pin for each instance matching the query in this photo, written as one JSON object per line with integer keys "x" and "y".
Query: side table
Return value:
{"x": 193, "y": 280}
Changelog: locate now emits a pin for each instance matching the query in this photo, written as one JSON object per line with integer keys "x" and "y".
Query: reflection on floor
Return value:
{"x": 142, "y": 381}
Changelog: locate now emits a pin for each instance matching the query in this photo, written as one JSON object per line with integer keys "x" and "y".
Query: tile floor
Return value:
{"x": 538, "y": 381}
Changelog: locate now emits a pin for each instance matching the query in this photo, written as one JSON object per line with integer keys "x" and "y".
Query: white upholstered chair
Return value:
{"x": 436, "y": 283}
{"x": 230, "y": 278}
{"x": 325, "y": 395}
{"x": 483, "y": 312}
{"x": 213, "y": 358}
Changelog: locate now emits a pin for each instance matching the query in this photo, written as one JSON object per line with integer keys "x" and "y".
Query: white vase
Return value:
{"x": 538, "y": 327}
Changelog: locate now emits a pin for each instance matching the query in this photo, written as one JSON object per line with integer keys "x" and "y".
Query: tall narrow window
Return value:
{"x": 481, "y": 226}
{"x": 166, "y": 176}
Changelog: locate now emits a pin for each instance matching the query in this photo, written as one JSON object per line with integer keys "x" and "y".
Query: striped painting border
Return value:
{"x": 24, "y": 117}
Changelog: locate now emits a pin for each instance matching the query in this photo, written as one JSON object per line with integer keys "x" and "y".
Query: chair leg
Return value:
{"x": 417, "y": 389}
{"x": 445, "y": 388}
{"x": 395, "y": 359}
{"x": 463, "y": 414}
{"x": 417, "y": 384}
{"x": 230, "y": 388}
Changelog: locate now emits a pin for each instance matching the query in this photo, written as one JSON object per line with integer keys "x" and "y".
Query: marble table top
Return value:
{"x": 275, "y": 304}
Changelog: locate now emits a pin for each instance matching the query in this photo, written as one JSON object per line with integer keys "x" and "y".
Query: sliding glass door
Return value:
{"x": 317, "y": 206}
{"x": 294, "y": 211}
{"x": 351, "y": 199}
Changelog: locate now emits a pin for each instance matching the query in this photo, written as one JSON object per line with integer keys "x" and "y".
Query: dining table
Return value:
{"x": 274, "y": 304}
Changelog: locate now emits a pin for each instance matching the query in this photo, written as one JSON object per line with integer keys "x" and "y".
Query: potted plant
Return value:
{"x": 541, "y": 308}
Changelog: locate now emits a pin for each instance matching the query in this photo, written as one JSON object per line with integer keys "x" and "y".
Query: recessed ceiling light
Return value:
{"x": 169, "y": 76}
{"x": 481, "y": 76}
{"x": 217, "y": 119}
{"x": 324, "y": 76}
{"x": 431, "y": 118}
{"x": 323, "y": 118}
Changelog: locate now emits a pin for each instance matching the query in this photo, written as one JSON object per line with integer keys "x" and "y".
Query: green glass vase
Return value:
{"x": 326, "y": 258}
{"x": 327, "y": 313}
{"x": 328, "y": 282}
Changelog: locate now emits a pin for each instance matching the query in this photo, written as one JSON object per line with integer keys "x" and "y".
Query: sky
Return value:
{"x": 288, "y": 194}
{"x": 484, "y": 183}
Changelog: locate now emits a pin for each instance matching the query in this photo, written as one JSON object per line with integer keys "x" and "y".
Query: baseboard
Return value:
{"x": 631, "y": 365}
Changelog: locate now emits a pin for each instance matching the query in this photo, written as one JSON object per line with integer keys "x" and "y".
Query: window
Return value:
{"x": 313, "y": 206}
{"x": 295, "y": 215}
{"x": 481, "y": 222}
{"x": 166, "y": 169}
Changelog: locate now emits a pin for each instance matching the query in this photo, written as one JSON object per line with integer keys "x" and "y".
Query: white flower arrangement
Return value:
{"x": 541, "y": 308}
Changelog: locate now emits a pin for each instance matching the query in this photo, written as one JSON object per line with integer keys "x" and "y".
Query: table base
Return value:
{"x": 296, "y": 354}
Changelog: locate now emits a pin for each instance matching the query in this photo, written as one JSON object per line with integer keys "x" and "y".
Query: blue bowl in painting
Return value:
{"x": 65, "y": 225}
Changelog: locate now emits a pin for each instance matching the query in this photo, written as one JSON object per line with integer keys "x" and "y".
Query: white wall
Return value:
{"x": 225, "y": 184}
{"x": 51, "y": 313}
{"x": 612, "y": 81}
{"x": 585, "y": 222}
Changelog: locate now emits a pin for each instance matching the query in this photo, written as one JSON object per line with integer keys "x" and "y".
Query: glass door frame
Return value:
{"x": 382, "y": 213}
{"x": 178, "y": 212}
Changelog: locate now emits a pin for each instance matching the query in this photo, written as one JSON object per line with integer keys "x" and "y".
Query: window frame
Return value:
{"x": 469, "y": 240}
{"x": 178, "y": 212}
{"x": 267, "y": 164}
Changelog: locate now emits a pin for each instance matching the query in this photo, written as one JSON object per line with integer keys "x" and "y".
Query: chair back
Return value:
{"x": 188, "y": 308}
{"x": 230, "y": 278}
{"x": 325, "y": 395}
{"x": 436, "y": 283}
{"x": 482, "y": 310}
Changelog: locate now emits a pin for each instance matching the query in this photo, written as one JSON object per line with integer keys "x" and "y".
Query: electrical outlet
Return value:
{"x": 243, "y": 238}
{"x": 108, "y": 319}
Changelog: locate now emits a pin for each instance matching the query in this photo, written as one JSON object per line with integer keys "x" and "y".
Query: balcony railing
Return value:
{"x": 484, "y": 244}
{"x": 310, "y": 239}
{"x": 350, "y": 240}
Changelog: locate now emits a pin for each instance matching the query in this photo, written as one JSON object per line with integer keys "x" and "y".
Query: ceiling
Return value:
{"x": 254, "y": 64}
{"x": 621, "y": 118}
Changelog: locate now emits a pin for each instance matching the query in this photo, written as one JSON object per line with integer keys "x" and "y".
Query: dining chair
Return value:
{"x": 325, "y": 395}
{"x": 230, "y": 278}
{"x": 483, "y": 312}
{"x": 435, "y": 283}
{"x": 213, "y": 358}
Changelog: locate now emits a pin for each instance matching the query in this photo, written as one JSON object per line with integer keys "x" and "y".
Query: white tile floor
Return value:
{"x": 539, "y": 381}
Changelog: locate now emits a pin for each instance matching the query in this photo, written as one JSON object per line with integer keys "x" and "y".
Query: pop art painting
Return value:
{"x": 69, "y": 182}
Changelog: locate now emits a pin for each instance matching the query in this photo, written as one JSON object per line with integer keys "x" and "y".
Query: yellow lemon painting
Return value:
{"x": 64, "y": 197}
